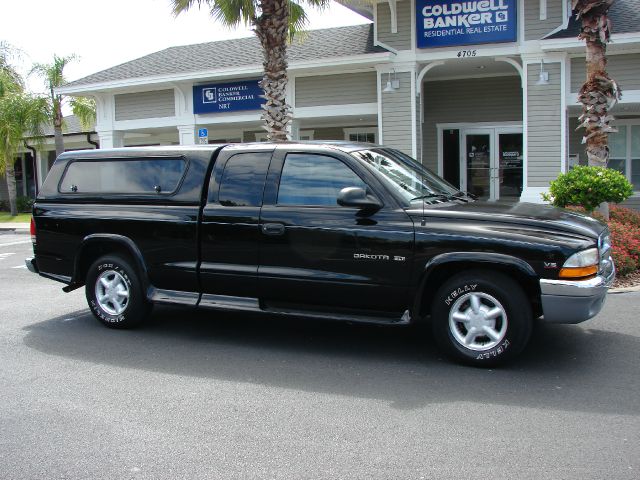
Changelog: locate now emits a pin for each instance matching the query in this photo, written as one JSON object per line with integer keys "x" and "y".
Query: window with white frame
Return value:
{"x": 366, "y": 135}
{"x": 624, "y": 153}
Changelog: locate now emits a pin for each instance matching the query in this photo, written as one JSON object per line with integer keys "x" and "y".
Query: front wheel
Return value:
{"x": 114, "y": 293}
{"x": 481, "y": 318}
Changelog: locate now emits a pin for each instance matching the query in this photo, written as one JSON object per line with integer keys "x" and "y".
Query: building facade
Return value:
{"x": 482, "y": 92}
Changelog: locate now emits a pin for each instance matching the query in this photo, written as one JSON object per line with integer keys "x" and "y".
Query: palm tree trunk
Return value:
{"x": 272, "y": 29}
{"x": 597, "y": 95}
{"x": 10, "y": 175}
{"x": 57, "y": 127}
{"x": 600, "y": 92}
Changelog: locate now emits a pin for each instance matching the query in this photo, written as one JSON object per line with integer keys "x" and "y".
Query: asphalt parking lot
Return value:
{"x": 199, "y": 394}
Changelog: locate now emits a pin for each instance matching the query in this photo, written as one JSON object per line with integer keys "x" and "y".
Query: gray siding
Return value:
{"x": 625, "y": 69}
{"x": 496, "y": 99}
{"x": 397, "y": 114}
{"x": 402, "y": 39}
{"x": 340, "y": 89}
{"x": 544, "y": 135}
{"x": 133, "y": 106}
{"x": 633, "y": 202}
{"x": 535, "y": 28}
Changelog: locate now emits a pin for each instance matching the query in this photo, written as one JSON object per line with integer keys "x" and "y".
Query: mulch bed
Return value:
{"x": 631, "y": 280}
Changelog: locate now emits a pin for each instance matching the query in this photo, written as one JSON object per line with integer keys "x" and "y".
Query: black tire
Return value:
{"x": 464, "y": 340}
{"x": 116, "y": 310}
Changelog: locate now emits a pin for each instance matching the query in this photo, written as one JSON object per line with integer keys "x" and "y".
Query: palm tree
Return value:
{"x": 83, "y": 108}
{"x": 600, "y": 92}
{"x": 10, "y": 77}
{"x": 275, "y": 22}
{"x": 21, "y": 115}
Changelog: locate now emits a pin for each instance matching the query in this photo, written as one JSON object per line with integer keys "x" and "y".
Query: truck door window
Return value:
{"x": 314, "y": 180}
{"x": 242, "y": 182}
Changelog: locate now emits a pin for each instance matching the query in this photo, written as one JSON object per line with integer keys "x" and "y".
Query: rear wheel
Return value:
{"x": 481, "y": 318}
{"x": 114, "y": 293}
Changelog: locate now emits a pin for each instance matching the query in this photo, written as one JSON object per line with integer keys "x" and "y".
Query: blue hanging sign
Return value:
{"x": 446, "y": 23}
{"x": 227, "y": 97}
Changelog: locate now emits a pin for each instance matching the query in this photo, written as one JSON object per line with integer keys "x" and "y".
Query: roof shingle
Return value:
{"x": 326, "y": 43}
{"x": 624, "y": 16}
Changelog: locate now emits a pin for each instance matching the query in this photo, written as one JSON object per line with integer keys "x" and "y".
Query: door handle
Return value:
{"x": 273, "y": 229}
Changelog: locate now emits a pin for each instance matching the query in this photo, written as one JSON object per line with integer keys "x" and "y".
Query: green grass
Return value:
{"x": 20, "y": 218}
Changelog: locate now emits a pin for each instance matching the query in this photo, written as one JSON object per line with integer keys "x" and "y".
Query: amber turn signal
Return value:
{"x": 578, "y": 272}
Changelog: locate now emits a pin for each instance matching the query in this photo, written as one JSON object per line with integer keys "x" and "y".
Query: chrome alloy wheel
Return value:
{"x": 112, "y": 292}
{"x": 478, "y": 321}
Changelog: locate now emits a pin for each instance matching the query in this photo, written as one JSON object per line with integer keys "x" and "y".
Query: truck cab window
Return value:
{"x": 314, "y": 180}
{"x": 242, "y": 183}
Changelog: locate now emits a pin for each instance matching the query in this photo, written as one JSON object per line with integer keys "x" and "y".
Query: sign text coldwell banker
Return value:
{"x": 227, "y": 97}
{"x": 442, "y": 23}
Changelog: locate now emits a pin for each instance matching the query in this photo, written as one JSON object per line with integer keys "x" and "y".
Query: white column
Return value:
{"x": 187, "y": 134}
{"x": 111, "y": 138}
{"x": 294, "y": 127}
{"x": 41, "y": 166}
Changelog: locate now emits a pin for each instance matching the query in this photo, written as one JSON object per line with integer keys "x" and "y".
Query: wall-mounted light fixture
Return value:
{"x": 543, "y": 79}
{"x": 392, "y": 85}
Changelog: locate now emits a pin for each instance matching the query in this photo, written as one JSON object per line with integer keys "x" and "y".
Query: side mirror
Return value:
{"x": 358, "y": 197}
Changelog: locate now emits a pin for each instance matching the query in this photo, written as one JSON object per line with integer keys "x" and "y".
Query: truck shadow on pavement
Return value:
{"x": 569, "y": 368}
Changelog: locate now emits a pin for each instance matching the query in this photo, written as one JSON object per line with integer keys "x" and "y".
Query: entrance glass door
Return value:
{"x": 492, "y": 163}
{"x": 510, "y": 166}
{"x": 479, "y": 163}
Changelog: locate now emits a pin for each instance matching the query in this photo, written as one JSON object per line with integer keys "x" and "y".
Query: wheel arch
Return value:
{"x": 99, "y": 244}
{"x": 444, "y": 266}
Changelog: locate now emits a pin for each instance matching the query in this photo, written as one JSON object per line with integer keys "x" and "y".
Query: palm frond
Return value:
{"x": 9, "y": 74}
{"x": 230, "y": 13}
{"x": 298, "y": 20}
{"x": 181, "y": 6}
{"x": 53, "y": 73}
{"x": 21, "y": 115}
{"x": 85, "y": 109}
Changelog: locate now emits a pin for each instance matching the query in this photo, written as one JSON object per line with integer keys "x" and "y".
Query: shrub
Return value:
{"x": 624, "y": 225}
{"x": 24, "y": 204}
{"x": 588, "y": 187}
{"x": 625, "y": 216}
{"x": 625, "y": 239}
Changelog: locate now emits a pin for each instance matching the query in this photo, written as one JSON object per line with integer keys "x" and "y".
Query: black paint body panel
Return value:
{"x": 291, "y": 258}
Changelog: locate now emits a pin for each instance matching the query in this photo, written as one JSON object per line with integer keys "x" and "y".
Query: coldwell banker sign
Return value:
{"x": 442, "y": 23}
{"x": 227, "y": 97}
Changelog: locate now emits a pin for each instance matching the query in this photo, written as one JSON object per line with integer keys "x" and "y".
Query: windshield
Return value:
{"x": 405, "y": 176}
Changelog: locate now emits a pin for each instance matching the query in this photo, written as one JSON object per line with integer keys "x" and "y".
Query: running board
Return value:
{"x": 343, "y": 317}
{"x": 248, "y": 304}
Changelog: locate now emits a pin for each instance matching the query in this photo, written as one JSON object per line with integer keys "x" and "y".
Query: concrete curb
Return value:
{"x": 625, "y": 290}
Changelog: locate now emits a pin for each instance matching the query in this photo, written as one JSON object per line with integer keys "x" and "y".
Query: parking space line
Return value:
{"x": 22, "y": 242}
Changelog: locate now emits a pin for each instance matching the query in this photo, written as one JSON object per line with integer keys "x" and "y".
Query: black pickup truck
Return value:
{"x": 341, "y": 231}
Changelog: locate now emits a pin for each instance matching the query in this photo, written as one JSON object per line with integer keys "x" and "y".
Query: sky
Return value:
{"x": 107, "y": 33}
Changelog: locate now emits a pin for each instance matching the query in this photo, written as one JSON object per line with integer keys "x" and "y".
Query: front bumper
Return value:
{"x": 31, "y": 265}
{"x": 566, "y": 301}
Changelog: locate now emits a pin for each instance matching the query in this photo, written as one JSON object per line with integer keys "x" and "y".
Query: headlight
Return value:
{"x": 582, "y": 264}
